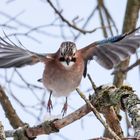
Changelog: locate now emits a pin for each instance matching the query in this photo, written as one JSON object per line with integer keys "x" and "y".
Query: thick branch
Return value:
{"x": 132, "y": 105}
{"x": 98, "y": 116}
{"x": 48, "y": 127}
{"x": 107, "y": 96}
{"x": 110, "y": 116}
{"x": 125, "y": 97}
{"x": 9, "y": 110}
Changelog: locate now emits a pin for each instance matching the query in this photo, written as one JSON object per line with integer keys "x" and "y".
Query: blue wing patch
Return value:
{"x": 111, "y": 39}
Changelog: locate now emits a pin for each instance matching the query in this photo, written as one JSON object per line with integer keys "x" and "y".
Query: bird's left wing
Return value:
{"x": 13, "y": 56}
{"x": 112, "y": 51}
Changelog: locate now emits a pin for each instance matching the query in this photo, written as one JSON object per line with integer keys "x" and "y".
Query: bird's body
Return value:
{"x": 64, "y": 69}
{"x": 64, "y": 78}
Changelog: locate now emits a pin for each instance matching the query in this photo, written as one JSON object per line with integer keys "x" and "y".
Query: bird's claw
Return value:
{"x": 49, "y": 105}
{"x": 64, "y": 109}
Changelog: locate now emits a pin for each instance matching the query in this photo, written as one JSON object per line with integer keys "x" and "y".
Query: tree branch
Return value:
{"x": 130, "y": 20}
{"x": 131, "y": 16}
{"x": 69, "y": 23}
{"x": 10, "y": 113}
{"x": 107, "y": 96}
{"x": 97, "y": 114}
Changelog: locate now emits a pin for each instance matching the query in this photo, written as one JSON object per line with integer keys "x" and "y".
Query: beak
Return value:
{"x": 68, "y": 61}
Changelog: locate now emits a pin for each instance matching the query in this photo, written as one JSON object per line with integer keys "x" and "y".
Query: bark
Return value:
{"x": 10, "y": 113}
{"x": 107, "y": 96}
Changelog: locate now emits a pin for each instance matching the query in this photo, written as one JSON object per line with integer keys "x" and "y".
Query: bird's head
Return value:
{"x": 67, "y": 52}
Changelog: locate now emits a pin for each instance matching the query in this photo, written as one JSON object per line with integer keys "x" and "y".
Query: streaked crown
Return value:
{"x": 68, "y": 48}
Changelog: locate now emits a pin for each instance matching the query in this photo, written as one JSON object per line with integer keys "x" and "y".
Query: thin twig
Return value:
{"x": 59, "y": 13}
{"x": 132, "y": 66}
{"x": 101, "y": 17}
{"x": 86, "y": 23}
{"x": 92, "y": 83}
{"x": 128, "y": 68}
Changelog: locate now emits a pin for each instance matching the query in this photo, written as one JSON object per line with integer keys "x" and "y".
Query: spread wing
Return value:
{"x": 13, "y": 56}
{"x": 112, "y": 51}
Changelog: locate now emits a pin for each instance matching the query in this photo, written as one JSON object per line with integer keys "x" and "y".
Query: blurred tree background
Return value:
{"x": 41, "y": 26}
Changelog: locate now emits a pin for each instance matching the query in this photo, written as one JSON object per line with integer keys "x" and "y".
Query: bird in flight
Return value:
{"x": 64, "y": 69}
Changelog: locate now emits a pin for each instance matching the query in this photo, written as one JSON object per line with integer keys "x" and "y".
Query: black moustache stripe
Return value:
{"x": 62, "y": 59}
{"x": 73, "y": 59}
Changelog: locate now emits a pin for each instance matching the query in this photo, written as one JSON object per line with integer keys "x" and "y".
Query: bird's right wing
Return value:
{"x": 110, "y": 52}
{"x": 13, "y": 56}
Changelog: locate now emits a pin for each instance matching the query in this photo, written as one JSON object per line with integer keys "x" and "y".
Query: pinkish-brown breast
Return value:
{"x": 62, "y": 80}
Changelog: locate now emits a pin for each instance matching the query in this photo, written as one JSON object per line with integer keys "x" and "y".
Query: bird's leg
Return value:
{"x": 65, "y": 107}
{"x": 49, "y": 105}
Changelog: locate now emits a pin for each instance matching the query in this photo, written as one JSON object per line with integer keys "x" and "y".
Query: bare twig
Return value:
{"x": 8, "y": 26}
{"x": 9, "y": 1}
{"x": 86, "y": 23}
{"x": 92, "y": 82}
{"x": 137, "y": 63}
{"x": 109, "y": 114}
{"x": 69, "y": 23}
{"x": 132, "y": 66}
{"x": 105, "y": 16}
{"x": 28, "y": 85}
{"x": 98, "y": 115}
{"x": 100, "y": 2}
{"x": 29, "y": 27}
{"x": 108, "y": 96}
